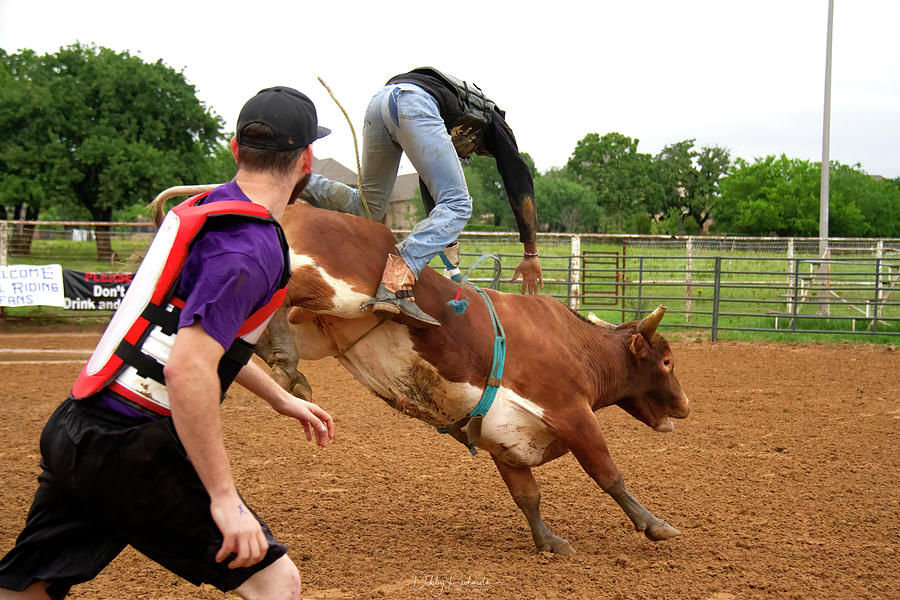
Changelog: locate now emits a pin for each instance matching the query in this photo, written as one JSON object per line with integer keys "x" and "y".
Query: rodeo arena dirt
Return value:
{"x": 783, "y": 482}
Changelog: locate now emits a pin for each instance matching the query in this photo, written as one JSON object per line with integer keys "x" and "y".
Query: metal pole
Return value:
{"x": 688, "y": 267}
{"x": 826, "y": 129}
{"x": 877, "y": 295}
{"x": 796, "y": 300}
{"x": 716, "y": 295}
{"x": 640, "y": 287}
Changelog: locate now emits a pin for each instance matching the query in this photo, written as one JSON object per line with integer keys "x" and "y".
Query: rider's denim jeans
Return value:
{"x": 405, "y": 118}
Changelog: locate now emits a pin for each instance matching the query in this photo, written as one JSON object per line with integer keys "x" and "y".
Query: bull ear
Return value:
{"x": 647, "y": 326}
{"x": 599, "y": 322}
{"x": 640, "y": 347}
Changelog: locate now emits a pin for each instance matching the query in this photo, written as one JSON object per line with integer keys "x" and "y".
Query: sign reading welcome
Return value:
{"x": 31, "y": 285}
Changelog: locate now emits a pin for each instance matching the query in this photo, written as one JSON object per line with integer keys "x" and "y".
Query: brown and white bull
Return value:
{"x": 559, "y": 370}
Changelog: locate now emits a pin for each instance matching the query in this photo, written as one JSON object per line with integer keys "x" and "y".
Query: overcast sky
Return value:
{"x": 748, "y": 75}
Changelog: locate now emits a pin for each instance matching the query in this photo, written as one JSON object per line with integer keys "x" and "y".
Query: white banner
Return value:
{"x": 31, "y": 285}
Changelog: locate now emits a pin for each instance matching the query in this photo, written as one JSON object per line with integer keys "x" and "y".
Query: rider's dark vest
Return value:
{"x": 467, "y": 132}
{"x": 129, "y": 359}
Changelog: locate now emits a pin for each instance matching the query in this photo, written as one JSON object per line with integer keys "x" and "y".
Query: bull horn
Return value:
{"x": 598, "y": 321}
{"x": 647, "y": 326}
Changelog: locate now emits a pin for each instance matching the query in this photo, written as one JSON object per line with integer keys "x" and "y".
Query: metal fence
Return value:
{"x": 720, "y": 284}
{"x": 707, "y": 282}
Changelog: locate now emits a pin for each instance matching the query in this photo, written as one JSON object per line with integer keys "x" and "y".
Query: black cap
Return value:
{"x": 289, "y": 113}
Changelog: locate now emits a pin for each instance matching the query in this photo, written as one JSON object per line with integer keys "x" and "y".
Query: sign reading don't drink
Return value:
{"x": 31, "y": 285}
{"x": 95, "y": 291}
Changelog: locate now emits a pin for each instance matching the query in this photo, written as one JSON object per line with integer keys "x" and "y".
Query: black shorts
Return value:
{"x": 108, "y": 482}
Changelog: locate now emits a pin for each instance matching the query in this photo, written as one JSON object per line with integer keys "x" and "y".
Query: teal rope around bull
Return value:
{"x": 472, "y": 421}
{"x": 460, "y": 278}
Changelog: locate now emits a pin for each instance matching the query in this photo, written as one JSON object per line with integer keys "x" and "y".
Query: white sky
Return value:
{"x": 744, "y": 74}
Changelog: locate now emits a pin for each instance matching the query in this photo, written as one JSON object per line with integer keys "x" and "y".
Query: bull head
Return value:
{"x": 656, "y": 394}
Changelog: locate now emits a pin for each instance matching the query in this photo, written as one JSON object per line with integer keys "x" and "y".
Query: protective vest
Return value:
{"x": 467, "y": 132}
{"x": 129, "y": 359}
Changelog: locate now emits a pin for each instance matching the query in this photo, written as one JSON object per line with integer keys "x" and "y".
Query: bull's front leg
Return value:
{"x": 579, "y": 430}
{"x": 276, "y": 347}
{"x": 527, "y": 496}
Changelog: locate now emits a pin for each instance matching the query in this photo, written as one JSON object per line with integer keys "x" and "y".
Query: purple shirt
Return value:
{"x": 233, "y": 268}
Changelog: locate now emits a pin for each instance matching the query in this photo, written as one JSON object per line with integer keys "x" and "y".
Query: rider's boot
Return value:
{"x": 394, "y": 298}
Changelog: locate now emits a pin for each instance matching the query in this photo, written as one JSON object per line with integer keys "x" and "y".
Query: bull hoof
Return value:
{"x": 660, "y": 531}
{"x": 303, "y": 390}
{"x": 557, "y": 545}
{"x": 281, "y": 377}
{"x": 295, "y": 382}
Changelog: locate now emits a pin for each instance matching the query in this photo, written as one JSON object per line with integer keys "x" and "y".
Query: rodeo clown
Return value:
{"x": 435, "y": 119}
{"x": 136, "y": 455}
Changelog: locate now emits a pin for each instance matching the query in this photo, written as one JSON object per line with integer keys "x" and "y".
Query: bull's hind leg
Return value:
{"x": 581, "y": 433}
{"x": 525, "y": 492}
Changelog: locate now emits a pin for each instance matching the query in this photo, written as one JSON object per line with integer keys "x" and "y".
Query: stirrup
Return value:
{"x": 398, "y": 306}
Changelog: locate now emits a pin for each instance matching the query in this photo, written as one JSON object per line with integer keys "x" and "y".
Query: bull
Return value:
{"x": 560, "y": 368}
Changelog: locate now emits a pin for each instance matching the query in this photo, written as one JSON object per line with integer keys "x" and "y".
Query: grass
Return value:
{"x": 82, "y": 256}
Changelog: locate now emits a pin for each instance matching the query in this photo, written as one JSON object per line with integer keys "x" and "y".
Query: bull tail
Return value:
{"x": 157, "y": 208}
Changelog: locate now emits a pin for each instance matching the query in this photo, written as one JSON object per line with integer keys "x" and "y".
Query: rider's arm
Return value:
{"x": 519, "y": 185}
{"x": 517, "y": 180}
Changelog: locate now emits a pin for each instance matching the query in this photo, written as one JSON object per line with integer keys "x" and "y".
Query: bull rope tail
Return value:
{"x": 362, "y": 195}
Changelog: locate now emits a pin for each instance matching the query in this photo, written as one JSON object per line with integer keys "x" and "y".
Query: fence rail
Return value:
{"x": 718, "y": 284}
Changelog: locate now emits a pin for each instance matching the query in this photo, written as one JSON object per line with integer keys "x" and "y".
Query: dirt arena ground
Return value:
{"x": 785, "y": 483}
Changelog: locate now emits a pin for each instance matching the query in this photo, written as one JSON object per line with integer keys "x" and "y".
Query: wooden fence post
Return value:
{"x": 575, "y": 270}
{"x": 3, "y": 244}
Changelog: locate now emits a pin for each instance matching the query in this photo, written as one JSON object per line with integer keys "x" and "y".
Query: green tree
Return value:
{"x": 89, "y": 128}
{"x": 565, "y": 204}
{"x": 690, "y": 182}
{"x": 877, "y": 203}
{"x": 623, "y": 180}
{"x": 781, "y": 196}
{"x": 772, "y": 195}
{"x": 713, "y": 164}
{"x": 490, "y": 204}
{"x": 489, "y": 200}
{"x": 219, "y": 166}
